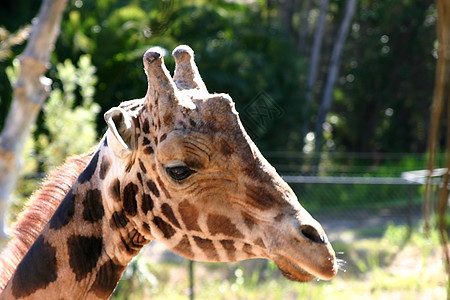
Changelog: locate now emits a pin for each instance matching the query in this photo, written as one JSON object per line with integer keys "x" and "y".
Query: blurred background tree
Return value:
{"x": 246, "y": 48}
{"x": 31, "y": 89}
{"x": 257, "y": 51}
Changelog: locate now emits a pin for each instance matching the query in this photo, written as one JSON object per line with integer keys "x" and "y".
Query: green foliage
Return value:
{"x": 137, "y": 275}
{"x": 238, "y": 49}
{"x": 69, "y": 121}
{"x": 8, "y": 40}
{"x": 15, "y": 15}
{"x": 70, "y": 128}
{"x": 243, "y": 49}
{"x": 381, "y": 100}
{"x": 387, "y": 78}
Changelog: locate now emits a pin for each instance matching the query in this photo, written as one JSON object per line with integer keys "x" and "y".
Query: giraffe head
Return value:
{"x": 196, "y": 181}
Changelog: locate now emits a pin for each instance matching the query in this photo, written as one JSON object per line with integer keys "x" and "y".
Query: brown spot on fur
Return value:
{"x": 104, "y": 167}
{"x": 192, "y": 123}
{"x": 247, "y": 248}
{"x": 146, "y": 141}
{"x": 118, "y": 220}
{"x": 146, "y": 126}
{"x": 259, "y": 242}
{"x": 165, "y": 228}
{"x": 64, "y": 213}
{"x": 219, "y": 224}
{"x": 259, "y": 197}
{"x": 141, "y": 165}
{"x": 248, "y": 220}
{"x": 163, "y": 188}
{"x": 168, "y": 212}
{"x": 129, "y": 199}
{"x": 230, "y": 248}
{"x": 37, "y": 269}
{"x": 106, "y": 279}
{"x": 168, "y": 119}
{"x": 83, "y": 254}
{"x": 114, "y": 190}
{"x": 89, "y": 171}
{"x": 146, "y": 228}
{"x": 139, "y": 176}
{"x": 163, "y": 137}
{"x": 147, "y": 203}
{"x": 93, "y": 206}
{"x": 153, "y": 188}
{"x": 149, "y": 150}
{"x": 184, "y": 247}
{"x": 208, "y": 248}
{"x": 189, "y": 215}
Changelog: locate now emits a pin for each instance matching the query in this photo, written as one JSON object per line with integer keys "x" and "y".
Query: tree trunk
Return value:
{"x": 441, "y": 97}
{"x": 333, "y": 72}
{"x": 314, "y": 63}
{"x": 30, "y": 91}
{"x": 303, "y": 31}
{"x": 286, "y": 14}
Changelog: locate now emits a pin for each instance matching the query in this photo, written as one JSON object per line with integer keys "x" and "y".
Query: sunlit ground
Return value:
{"x": 395, "y": 265}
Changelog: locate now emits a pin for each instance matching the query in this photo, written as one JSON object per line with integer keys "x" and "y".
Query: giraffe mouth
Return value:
{"x": 295, "y": 272}
{"x": 292, "y": 271}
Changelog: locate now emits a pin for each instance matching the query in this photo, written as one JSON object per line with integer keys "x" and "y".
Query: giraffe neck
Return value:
{"x": 38, "y": 211}
{"x": 88, "y": 242}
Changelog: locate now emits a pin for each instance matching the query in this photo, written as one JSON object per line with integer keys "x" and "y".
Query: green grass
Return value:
{"x": 398, "y": 265}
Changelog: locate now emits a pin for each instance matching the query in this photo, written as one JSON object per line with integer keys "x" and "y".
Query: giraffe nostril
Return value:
{"x": 313, "y": 235}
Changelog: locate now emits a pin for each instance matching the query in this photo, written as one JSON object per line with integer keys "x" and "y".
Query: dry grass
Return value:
{"x": 397, "y": 265}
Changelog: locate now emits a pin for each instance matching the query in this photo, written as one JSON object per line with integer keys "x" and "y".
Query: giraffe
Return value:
{"x": 176, "y": 166}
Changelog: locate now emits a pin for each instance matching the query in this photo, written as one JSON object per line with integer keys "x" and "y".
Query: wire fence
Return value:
{"x": 351, "y": 191}
{"x": 355, "y": 191}
{"x": 358, "y": 201}
{"x": 343, "y": 203}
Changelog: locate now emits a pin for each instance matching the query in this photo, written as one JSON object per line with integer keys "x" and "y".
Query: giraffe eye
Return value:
{"x": 179, "y": 173}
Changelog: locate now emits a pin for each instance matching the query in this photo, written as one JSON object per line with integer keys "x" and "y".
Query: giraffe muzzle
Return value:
{"x": 301, "y": 248}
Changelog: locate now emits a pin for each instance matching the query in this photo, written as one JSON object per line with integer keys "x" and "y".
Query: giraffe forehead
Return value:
{"x": 207, "y": 148}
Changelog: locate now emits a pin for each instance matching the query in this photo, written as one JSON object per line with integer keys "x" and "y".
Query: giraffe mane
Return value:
{"x": 37, "y": 212}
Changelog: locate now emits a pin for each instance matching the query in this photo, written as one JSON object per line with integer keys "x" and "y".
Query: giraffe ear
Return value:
{"x": 121, "y": 134}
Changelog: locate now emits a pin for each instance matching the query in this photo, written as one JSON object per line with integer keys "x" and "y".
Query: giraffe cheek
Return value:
{"x": 219, "y": 224}
{"x": 147, "y": 203}
{"x": 184, "y": 248}
{"x": 165, "y": 228}
{"x": 189, "y": 215}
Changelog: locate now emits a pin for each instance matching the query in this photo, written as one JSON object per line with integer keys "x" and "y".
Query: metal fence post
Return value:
{"x": 191, "y": 280}
{"x": 410, "y": 208}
